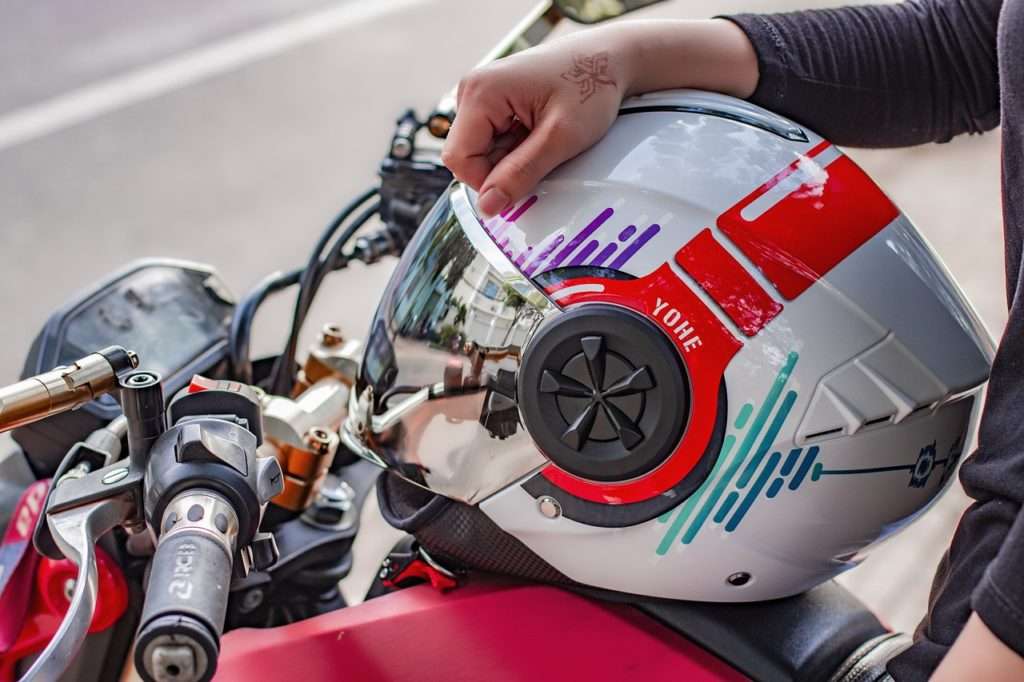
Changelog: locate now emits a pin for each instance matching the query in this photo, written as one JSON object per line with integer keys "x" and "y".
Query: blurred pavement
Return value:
{"x": 241, "y": 168}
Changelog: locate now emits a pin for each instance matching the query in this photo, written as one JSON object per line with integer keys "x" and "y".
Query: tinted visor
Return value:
{"x": 439, "y": 369}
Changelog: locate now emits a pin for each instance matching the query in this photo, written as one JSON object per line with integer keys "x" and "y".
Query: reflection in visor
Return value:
{"x": 449, "y": 297}
{"x": 442, "y": 358}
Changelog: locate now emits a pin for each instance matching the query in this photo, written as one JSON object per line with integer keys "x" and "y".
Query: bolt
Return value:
{"x": 401, "y": 148}
{"x": 142, "y": 379}
{"x": 549, "y": 507}
{"x": 170, "y": 662}
{"x": 114, "y": 476}
{"x": 331, "y": 335}
{"x": 69, "y": 588}
{"x": 251, "y": 600}
{"x": 319, "y": 441}
{"x": 738, "y": 579}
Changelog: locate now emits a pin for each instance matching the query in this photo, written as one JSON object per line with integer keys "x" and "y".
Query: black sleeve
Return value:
{"x": 881, "y": 75}
{"x": 998, "y": 599}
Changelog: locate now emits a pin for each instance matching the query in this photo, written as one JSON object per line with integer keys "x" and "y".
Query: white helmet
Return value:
{"x": 707, "y": 359}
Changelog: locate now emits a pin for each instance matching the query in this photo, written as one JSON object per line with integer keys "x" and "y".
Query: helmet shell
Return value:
{"x": 834, "y": 363}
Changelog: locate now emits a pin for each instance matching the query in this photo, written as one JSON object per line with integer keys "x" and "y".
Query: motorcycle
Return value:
{"x": 171, "y": 426}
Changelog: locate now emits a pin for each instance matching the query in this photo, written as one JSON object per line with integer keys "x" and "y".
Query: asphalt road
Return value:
{"x": 240, "y": 165}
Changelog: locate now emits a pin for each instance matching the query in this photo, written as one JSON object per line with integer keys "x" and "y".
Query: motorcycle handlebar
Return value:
{"x": 187, "y": 593}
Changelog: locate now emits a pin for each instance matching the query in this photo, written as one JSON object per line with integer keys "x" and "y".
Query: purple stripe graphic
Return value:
{"x": 578, "y": 239}
{"x": 522, "y": 257}
{"x": 584, "y": 252}
{"x": 627, "y": 233}
{"x": 545, "y": 251}
{"x": 523, "y": 209}
{"x": 605, "y": 254}
{"x": 637, "y": 244}
{"x": 508, "y": 217}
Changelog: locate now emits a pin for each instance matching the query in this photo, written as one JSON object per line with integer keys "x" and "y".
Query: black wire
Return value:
{"x": 317, "y": 268}
{"x": 245, "y": 313}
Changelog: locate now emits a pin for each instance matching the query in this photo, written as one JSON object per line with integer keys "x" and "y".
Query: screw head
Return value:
{"x": 331, "y": 335}
{"x": 69, "y": 588}
{"x": 549, "y": 507}
{"x": 114, "y": 476}
{"x": 738, "y": 579}
{"x": 401, "y": 148}
{"x": 252, "y": 600}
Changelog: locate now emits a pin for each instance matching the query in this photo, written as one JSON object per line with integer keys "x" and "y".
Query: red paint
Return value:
{"x": 705, "y": 364}
{"x": 813, "y": 228}
{"x": 49, "y": 604}
{"x": 419, "y": 569}
{"x": 727, "y": 283}
{"x": 18, "y": 562}
{"x": 487, "y": 630}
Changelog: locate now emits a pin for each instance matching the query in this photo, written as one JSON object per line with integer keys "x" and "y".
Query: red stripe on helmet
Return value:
{"x": 727, "y": 283}
{"x": 810, "y": 230}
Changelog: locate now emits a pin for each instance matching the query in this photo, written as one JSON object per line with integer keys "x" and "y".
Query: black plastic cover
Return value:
{"x": 174, "y": 314}
{"x": 798, "y": 639}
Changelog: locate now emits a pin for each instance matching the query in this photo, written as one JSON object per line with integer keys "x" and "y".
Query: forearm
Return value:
{"x": 713, "y": 54}
{"x": 980, "y": 655}
{"x": 881, "y": 75}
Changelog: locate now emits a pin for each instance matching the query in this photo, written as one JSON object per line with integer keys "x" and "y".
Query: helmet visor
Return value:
{"x": 436, "y": 399}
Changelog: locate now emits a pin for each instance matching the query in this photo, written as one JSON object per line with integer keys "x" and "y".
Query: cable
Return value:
{"x": 245, "y": 313}
{"x": 314, "y": 273}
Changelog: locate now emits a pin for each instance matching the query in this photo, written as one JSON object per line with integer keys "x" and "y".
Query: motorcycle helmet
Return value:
{"x": 707, "y": 359}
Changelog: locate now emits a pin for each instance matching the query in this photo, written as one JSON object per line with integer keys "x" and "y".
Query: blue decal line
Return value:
{"x": 768, "y": 470}
{"x": 769, "y": 438}
{"x": 741, "y": 454}
{"x": 687, "y": 507}
{"x": 775, "y": 487}
{"x": 805, "y": 466}
{"x": 790, "y": 462}
{"x": 723, "y": 511}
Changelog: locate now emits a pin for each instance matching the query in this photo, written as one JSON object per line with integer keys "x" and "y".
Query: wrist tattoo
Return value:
{"x": 589, "y": 73}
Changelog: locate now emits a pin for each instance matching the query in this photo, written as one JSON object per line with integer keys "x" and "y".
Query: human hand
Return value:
{"x": 520, "y": 117}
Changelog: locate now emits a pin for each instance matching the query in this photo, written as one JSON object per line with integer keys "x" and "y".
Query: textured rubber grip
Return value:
{"x": 187, "y": 591}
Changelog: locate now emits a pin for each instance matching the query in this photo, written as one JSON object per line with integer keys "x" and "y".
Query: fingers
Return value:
{"x": 543, "y": 149}
{"x": 479, "y": 121}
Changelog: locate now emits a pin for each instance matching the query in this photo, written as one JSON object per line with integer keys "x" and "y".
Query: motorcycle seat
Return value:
{"x": 808, "y": 637}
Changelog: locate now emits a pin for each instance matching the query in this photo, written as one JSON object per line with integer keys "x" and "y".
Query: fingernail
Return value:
{"x": 492, "y": 201}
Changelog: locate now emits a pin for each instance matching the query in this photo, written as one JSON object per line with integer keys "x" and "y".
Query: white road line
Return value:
{"x": 181, "y": 70}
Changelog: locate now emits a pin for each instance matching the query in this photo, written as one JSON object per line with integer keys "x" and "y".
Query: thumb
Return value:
{"x": 547, "y": 146}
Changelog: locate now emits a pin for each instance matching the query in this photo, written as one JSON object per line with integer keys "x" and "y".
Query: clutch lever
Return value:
{"x": 76, "y": 531}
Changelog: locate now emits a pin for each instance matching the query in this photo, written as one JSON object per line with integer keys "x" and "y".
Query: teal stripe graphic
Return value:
{"x": 775, "y": 487}
{"x": 769, "y": 468}
{"x": 769, "y": 438}
{"x": 687, "y": 507}
{"x": 805, "y": 466}
{"x": 723, "y": 511}
{"x": 790, "y": 462}
{"x": 743, "y": 416}
{"x": 741, "y": 454}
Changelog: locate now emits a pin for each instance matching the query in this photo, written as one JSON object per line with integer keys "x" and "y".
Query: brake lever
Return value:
{"x": 76, "y": 531}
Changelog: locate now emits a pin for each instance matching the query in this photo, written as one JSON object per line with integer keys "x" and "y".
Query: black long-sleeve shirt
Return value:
{"x": 904, "y": 74}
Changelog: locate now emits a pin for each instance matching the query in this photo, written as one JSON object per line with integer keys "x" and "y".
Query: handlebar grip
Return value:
{"x": 187, "y": 593}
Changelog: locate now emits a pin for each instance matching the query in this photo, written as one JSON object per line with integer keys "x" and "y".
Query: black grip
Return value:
{"x": 186, "y": 602}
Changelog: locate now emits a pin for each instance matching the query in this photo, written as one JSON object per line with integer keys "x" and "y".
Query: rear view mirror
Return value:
{"x": 594, "y": 11}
